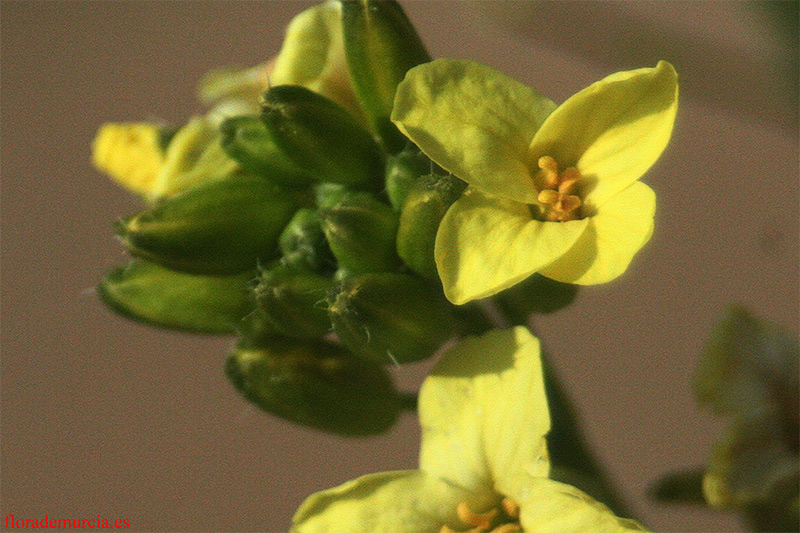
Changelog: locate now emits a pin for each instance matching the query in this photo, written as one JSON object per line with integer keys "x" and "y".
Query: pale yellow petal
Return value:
{"x": 621, "y": 227}
{"x": 487, "y": 244}
{"x": 313, "y": 56}
{"x": 612, "y": 131}
{"x": 408, "y": 501}
{"x": 130, "y": 153}
{"x": 548, "y": 506}
{"x": 473, "y": 121}
{"x": 484, "y": 415}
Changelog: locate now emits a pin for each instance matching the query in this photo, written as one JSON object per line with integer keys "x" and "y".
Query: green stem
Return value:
{"x": 570, "y": 454}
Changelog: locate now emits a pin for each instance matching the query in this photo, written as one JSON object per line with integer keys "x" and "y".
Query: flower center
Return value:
{"x": 501, "y": 519}
{"x": 558, "y": 198}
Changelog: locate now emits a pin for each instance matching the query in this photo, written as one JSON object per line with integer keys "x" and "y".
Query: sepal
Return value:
{"x": 315, "y": 384}
{"x": 390, "y": 318}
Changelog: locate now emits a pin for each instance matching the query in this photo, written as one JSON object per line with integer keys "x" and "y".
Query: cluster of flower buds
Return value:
{"x": 302, "y": 221}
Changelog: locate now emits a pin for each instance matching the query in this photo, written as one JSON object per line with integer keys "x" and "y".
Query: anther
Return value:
{"x": 549, "y": 171}
{"x": 511, "y": 507}
{"x": 479, "y": 520}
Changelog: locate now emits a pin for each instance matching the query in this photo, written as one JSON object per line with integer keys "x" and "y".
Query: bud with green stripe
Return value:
{"x": 361, "y": 232}
{"x": 220, "y": 227}
{"x": 315, "y": 384}
{"x": 381, "y": 45}
{"x": 427, "y": 202}
{"x": 321, "y": 138}
{"x": 390, "y": 318}
{"x": 304, "y": 246}
{"x": 247, "y": 140}
{"x": 152, "y": 294}
{"x": 294, "y": 302}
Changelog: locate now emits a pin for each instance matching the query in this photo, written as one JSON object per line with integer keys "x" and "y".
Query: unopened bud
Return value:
{"x": 193, "y": 157}
{"x": 381, "y": 45}
{"x": 390, "y": 318}
{"x": 304, "y": 246}
{"x": 247, "y": 141}
{"x": 321, "y": 138}
{"x": 315, "y": 384}
{"x": 361, "y": 232}
{"x": 222, "y": 227}
{"x": 152, "y": 294}
{"x": 403, "y": 170}
{"x": 294, "y": 302}
{"x": 427, "y": 202}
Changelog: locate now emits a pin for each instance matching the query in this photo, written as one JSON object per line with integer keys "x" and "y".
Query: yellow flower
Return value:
{"x": 483, "y": 458}
{"x": 552, "y": 189}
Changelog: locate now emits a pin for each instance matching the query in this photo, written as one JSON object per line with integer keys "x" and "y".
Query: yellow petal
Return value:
{"x": 619, "y": 229}
{"x": 404, "y": 502}
{"x": 487, "y": 244}
{"x": 612, "y": 131}
{"x": 473, "y": 121}
{"x": 130, "y": 153}
{"x": 552, "y": 507}
{"x": 484, "y": 416}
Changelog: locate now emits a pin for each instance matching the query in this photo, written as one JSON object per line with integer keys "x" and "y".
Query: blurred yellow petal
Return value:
{"x": 408, "y": 501}
{"x": 130, "y": 153}
{"x": 486, "y": 244}
{"x": 473, "y": 121}
{"x": 612, "y": 131}
{"x": 484, "y": 415}
{"x": 313, "y": 56}
{"x": 553, "y": 507}
{"x": 194, "y": 156}
{"x": 614, "y": 235}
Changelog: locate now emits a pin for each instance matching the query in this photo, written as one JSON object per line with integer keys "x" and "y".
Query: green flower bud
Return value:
{"x": 328, "y": 194}
{"x": 247, "y": 140}
{"x": 193, "y": 157}
{"x": 390, "y": 318}
{"x": 221, "y": 227}
{"x": 537, "y": 294}
{"x": 155, "y": 295}
{"x": 321, "y": 138}
{"x": 427, "y": 202}
{"x": 361, "y": 232}
{"x": 315, "y": 384}
{"x": 304, "y": 246}
{"x": 403, "y": 170}
{"x": 255, "y": 329}
{"x": 294, "y": 302}
{"x": 381, "y": 45}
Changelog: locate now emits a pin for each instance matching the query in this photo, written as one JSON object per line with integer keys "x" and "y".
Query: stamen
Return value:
{"x": 480, "y": 520}
{"x": 557, "y": 194}
{"x": 549, "y": 171}
{"x": 511, "y": 507}
{"x": 548, "y": 196}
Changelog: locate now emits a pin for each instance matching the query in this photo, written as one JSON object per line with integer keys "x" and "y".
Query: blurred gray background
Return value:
{"x": 103, "y": 416}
